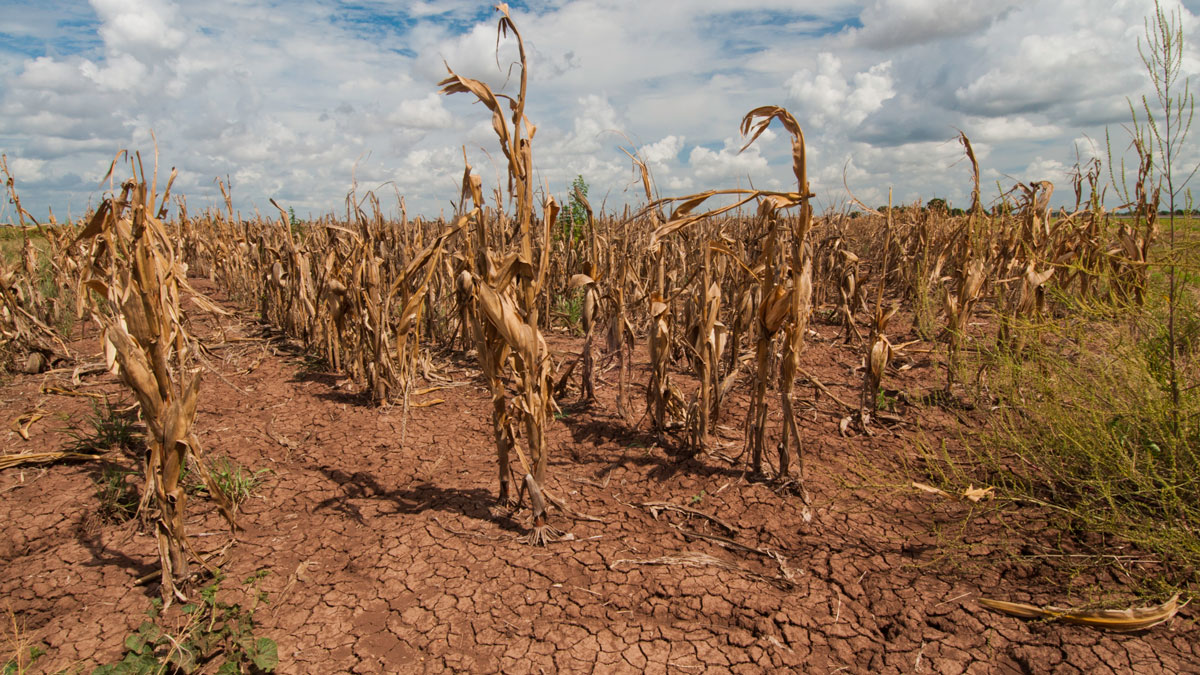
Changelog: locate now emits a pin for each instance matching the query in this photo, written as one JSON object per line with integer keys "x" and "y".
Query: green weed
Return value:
{"x": 1086, "y": 424}
{"x": 118, "y": 498}
{"x": 106, "y": 428}
{"x": 19, "y": 650}
{"x": 237, "y": 482}
{"x": 210, "y": 636}
{"x": 569, "y": 307}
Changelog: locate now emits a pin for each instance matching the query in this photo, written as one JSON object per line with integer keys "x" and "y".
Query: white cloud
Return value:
{"x": 727, "y": 163}
{"x": 897, "y": 23}
{"x": 829, "y": 98}
{"x": 120, "y": 73}
{"x": 1042, "y": 168}
{"x": 594, "y": 118}
{"x": 664, "y": 151}
{"x": 286, "y": 98}
{"x": 138, "y": 24}
{"x": 27, "y": 169}
{"x": 423, "y": 113}
{"x": 1000, "y": 129}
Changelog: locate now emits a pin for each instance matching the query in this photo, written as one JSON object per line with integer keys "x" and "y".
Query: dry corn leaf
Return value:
{"x": 426, "y": 404}
{"x": 579, "y": 280}
{"x": 1123, "y": 620}
{"x": 25, "y": 420}
{"x": 9, "y": 461}
{"x": 975, "y": 494}
{"x": 930, "y": 489}
{"x": 776, "y": 309}
{"x": 69, "y": 392}
{"x": 972, "y": 493}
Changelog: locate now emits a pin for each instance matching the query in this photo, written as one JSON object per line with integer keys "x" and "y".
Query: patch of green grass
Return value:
{"x": 12, "y": 238}
{"x": 314, "y": 364}
{"x": 118, "y": 499}
{"x": 237, "y": 482}
{"x": 53, "y": 304}
{"x": 106, "y": 428}
{"x": 206, "y": 636}
{"x": 885, "y": 402}
{"x": 569, "y": 307}
{"x": 1084, "y": 423}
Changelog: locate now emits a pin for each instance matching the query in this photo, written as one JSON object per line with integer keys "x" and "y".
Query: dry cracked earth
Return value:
{"x": 386, "y": 552}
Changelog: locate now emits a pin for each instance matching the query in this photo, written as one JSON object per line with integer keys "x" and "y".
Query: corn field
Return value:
{"x": 714, "y": 292}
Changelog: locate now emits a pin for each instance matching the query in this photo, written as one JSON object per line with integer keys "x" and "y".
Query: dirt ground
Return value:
{"x": 386, "y": 551}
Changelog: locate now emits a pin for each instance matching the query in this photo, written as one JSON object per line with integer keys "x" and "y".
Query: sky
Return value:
{"x": 298, "y": 100}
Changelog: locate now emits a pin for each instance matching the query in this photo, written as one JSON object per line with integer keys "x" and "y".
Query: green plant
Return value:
{"x": 294, "y": 223}
{"x": 201, "y": 635}
{"x": 574, "y": 217}
{"x": 1159, "y": 137}
{"x": 569, "y": 306}
{"x": 314, "y": 364}
{"x": 697, "y": 498}
{"x": 106, "y": 428}
{"x": 883, "y": 401}
{"x": 19, "y": 664}
{"x": 1086, "y": 428}
{"x": 1157, "y": 348}
{"x": 118, "y": 499}
{"x": 237, "y": 482}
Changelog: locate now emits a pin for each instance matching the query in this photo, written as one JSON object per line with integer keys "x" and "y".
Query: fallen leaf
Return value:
{"x": 22, "y": 423}
{"x": 930, "y": 489}
{"x": 1131, "y": 619}
{"x": 975, "y": 494}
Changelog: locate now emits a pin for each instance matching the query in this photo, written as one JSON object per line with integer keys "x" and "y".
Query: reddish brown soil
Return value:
{"x": 387, "y": 553}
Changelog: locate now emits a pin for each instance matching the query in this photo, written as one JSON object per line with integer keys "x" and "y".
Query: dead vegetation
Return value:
{"x": 722, "y": 286}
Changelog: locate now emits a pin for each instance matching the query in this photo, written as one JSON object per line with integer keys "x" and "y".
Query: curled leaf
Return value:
{"x": 1122, "y": 620}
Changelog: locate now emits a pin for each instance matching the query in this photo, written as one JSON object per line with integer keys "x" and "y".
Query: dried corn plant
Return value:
{"x": 706, "y": 346}
{"x": 850, "y": 290}
{"x": 786, "y": 293}
{"x": 1021, "y": 307}
{"x": 1129, "y": 254}
{"x": 920, "y": 256}
{"x": 138, "y": 282}
{"x": 622, "y": 273}
{"x": 969, "y": 255}
{"x": 508, "y": 290}
{"x": 356, "y": 292}
{"x": 381, "y": 300}
{"x": 879, "y": 350}
{"x": 34, "y": 290}
{"x": 664, "y": 400}
{"x": 1079, "y": 249}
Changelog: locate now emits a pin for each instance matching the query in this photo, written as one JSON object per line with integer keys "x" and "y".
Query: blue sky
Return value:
{"x": 294, "y": 100}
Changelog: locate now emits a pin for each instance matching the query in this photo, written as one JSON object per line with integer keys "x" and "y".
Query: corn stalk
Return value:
{"x": 138, "y": 280}
{"x": 786, "y": 293}
{"x": 512, "y": 314}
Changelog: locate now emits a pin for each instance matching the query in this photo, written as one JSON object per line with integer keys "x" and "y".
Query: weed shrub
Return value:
{"x": 213, "y": 633}
{"x": 1090, "y": 429}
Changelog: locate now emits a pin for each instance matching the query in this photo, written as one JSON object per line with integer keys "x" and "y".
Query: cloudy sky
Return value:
{"x": 290, "y": 99}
